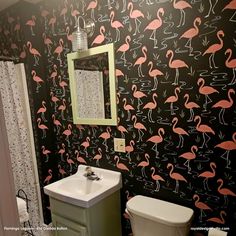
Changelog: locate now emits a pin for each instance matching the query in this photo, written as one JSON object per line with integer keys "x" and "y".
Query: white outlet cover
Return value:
{"x": 119, "y": 145}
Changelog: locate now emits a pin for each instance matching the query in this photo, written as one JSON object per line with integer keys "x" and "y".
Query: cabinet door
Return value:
{"x": 67, "y": 228}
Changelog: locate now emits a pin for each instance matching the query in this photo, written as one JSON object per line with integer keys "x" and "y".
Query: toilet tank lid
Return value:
{"x": 160, "y": 211}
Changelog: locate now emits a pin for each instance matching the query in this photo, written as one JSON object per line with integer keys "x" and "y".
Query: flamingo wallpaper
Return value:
{"x": 175, "y": 67}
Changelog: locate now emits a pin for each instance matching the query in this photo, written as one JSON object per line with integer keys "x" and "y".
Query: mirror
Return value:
{"x": 93, "y": 86}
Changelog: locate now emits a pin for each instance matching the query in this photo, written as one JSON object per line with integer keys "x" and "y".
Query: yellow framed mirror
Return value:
{"x": 93, "y": 86}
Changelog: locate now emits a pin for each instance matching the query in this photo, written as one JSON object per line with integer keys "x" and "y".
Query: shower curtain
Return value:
{"x": 18, "y": 122}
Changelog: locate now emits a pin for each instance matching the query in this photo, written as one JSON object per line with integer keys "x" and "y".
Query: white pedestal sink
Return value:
{"x": 80, "y": 191}
{"x": 84, "y": 207}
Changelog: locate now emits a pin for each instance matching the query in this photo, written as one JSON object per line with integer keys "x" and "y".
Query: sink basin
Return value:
{"x": 80, "y": 191}
{"x": 80, "y": 187}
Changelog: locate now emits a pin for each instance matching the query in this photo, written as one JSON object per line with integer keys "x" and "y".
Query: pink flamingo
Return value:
{"x": 176, "y": 176}
{"x": 79, "y": 158}
{"x": 62, "y": 84}
{"x": 120, "y": 166}
{"x": 181, "y": 5}
{"x": 54, "y": 99}
{"x": 98, "y": 156}
{"x": 179, "y": 131}
{"x": 128, "y": 197}
{"x": 127, "y": 108}
{"x": 80, "y": 128}
{"x": 74, "y": 13}
{"x": 190, "y": 106}
{"x": 34, "y": 52}
{"x": 37, "y": 79}
{"x": 173, "y": 99}
{"x": 52, "y": 22}
{"x": 23, "y": 53}
{"x": 64, "y": 11}
{"x": 68, "y": 35}
{"x": 200, "y": 205}
{"x": 59, "y": 50}
{"x": 54, "y": 74}
{"x": 151, "y": 106}
{"x": 45, "y": 152}
{"x": 122, "y": 129}
{"x": 48, "y": 42}
{"x": 124, "y": 48}
{"x": 67, "y": 132}
{"x": 105, "y": 135}
{"x": 17, "y": 28}
{"x": 31, "y": 24}
{"x": 228, "y": 146}
{"x": 10, "y": 19}
{"x": 42, "y": 127}
{"x": 44, "y": 14}
{"x": 62, "y": 108}
{"x": 208, "y": 174}
{"x": 231, "y": 63}
{"x": 204, "y": 129}
{"x": 154, "y": 73}
{"x": 225, "y": 191}
{"x": 175, "y": 64}
{"x": 116, "y": 25}
{"x": 14, "y": 46}
{"x": 206, "y": 91}
{"x": 119, "y": 73}
{"x": 135, "y": 14}
{"x": 57, "y": 123}
{"x": 215, "y": 48}
{"x": 156, "y": 178}
{"x": 156, "y": 139}
{"x": 141, "y": 60}
{"x": 224, "y": 104}
{"x": 189, "y": 156}
{"x": 220, "y": 220}
{"x": 86, "y": 144}
{"x": 231, "y": 6}
{"x": 92, "y": 5}
{"x": 69, "y": 161}
{"x": 48, "y": 178}
{"x": 190, "y": 34}
{"x": 42, "y": 110}
{"x": 154, "y": 25}
{"x": 144, "y": 164}
{"x": 138, "y": 94}
{"x": 62, "y": 151}
{"x": 129, "y": 149}
{"x": 61, "y": 171}
{"x": 139, "y": 126}
{"x": 100, "y": 38}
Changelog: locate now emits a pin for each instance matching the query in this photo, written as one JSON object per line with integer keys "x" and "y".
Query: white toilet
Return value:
{"x": 153, "y": 217}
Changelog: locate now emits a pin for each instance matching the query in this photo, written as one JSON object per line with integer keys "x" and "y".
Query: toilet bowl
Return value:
{"x": 154, "y": 217}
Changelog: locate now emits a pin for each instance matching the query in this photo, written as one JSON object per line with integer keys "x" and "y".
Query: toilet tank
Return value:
{"x": 154, "y": 217}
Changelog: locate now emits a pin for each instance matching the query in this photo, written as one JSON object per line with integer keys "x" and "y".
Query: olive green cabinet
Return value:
{"x": 101, "y": 219}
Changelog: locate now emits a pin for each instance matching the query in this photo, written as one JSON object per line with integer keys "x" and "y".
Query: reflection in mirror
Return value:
{"x": 93, "y": 87}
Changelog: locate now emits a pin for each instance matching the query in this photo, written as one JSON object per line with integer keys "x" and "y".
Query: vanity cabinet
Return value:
{"x": 100, "y": 219}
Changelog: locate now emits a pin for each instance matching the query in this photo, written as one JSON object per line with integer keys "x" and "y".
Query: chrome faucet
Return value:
{"x": 90, "y": 174}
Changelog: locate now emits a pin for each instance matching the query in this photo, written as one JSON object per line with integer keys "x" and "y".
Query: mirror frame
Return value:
{"x": 108, "y": 48}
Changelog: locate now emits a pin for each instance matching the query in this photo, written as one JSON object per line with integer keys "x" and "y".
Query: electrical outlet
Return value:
{"x": 119, "y": 145}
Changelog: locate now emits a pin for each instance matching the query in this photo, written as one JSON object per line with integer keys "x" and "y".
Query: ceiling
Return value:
{"x": 6, "y": 3}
